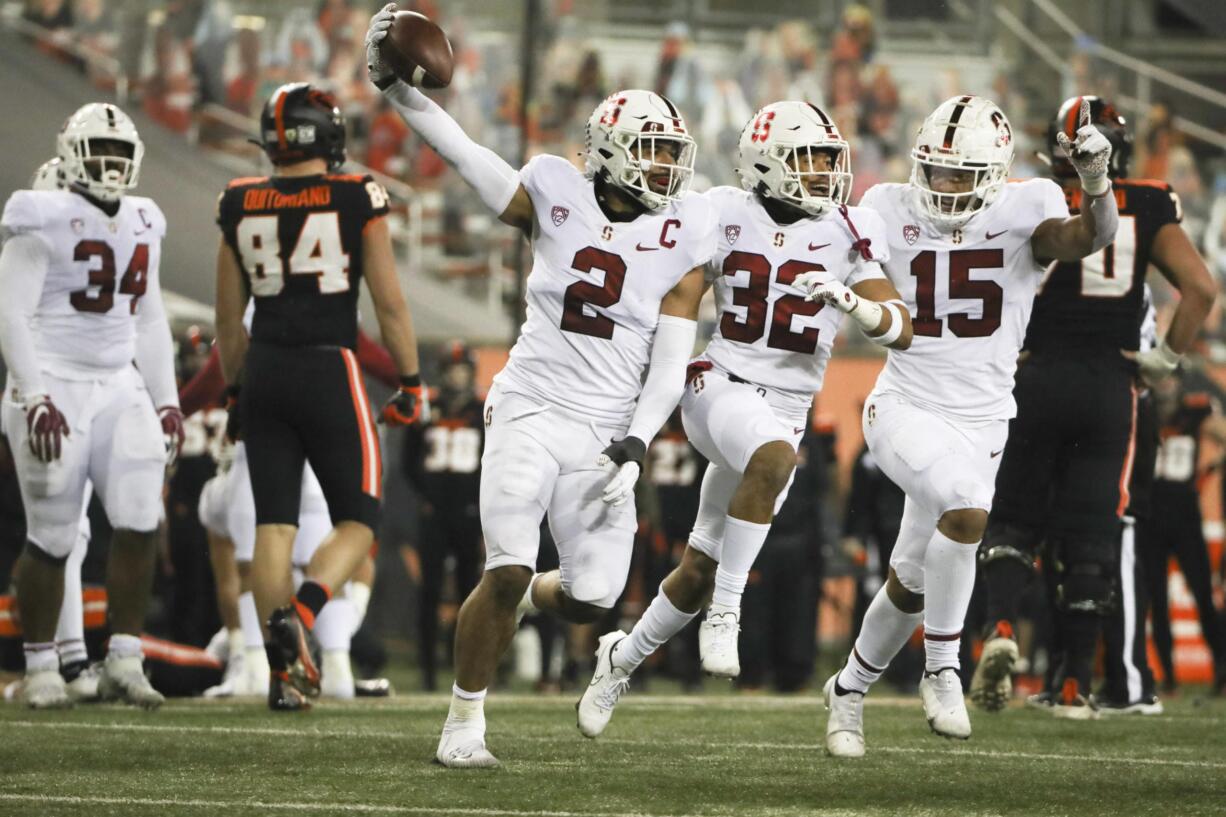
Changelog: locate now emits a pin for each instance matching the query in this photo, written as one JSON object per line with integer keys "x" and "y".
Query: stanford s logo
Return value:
{"x": 911, "y": 233}
{"x": 732, "y": 232}
{"x": 559, "y": 215}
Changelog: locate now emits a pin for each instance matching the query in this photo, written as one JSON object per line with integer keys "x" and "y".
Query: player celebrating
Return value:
{"x": 617, "y": 276}
{"x": 299, "y": 242}
{"x": 1076, "y": 414}
{"x": 749, "y": 394}
{"x": 967, "y": 251}
{"x": 91, "y": 391}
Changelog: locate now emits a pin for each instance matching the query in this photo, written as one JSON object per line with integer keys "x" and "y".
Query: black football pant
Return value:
{"x": 1176, "y": 528}
{"x": 1127, "y": 675}
{"x": 779, "y": 617}
{"x": 452, "y": 529}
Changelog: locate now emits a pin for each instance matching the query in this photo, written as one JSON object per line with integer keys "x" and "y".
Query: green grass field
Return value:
{"x": 662, "y": 755}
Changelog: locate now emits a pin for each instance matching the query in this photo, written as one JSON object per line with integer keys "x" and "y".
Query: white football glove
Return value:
{"x": 821, "y": 287}
{"x": 1157, "y": 364}
{"x": 1089, "y": 153}
{"x": 623, "y": 459}
{"x": 380, "y": 72}
{"x": 807, "y": 283}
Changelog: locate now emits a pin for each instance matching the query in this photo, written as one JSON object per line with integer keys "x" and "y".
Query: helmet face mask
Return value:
{"x": 638, "y": 142}
{"x": 100, "y": 152}
{"x": 961, "y": 160}
{"x": 793, "y": 153}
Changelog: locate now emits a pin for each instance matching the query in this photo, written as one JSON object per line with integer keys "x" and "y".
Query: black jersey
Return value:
{"x": 1180, "y": 418}
{"x": 1096, "y": 303}
{"x": 298, "y": 241}
{"x": 676, "y": 470}
{"x": 443, "y": 457}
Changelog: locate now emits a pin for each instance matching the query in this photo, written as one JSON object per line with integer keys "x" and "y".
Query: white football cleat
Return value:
{"x": 992, "y": 683}
{"x": 463, "y": 747}
{"x": 845, "y": 724}
{"x": 219, "y": 645}
{"x": 336, "y": 675}
{"x": 83, "y": 688}
{"x": 123, "y": 679}
{"x": 45, "y": 689}
{"x": 608, "y": 684}
{"x": 233, "y": 682}
{"x": 944, "y": 705}
{"x": 717, "y": 644}
{"x": 256, "y": 673}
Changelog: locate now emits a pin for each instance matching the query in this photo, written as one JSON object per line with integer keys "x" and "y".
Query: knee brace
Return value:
{"x": 1085, "y": 572}
{"x": 1005, "y": 541}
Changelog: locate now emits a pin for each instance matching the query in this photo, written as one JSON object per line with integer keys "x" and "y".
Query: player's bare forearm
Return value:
{"x": 1180, "y": 263}
{"x": 391, "y": 309}
{"x": 883, "y": 292}
{"x": 231, "y": 302}
{"x": 684, "y": 299}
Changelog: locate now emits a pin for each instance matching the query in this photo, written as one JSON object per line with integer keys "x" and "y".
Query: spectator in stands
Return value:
{"x": 243, "y": 90}
{"x": 50, "y": 14}
{"x": 679, "y": 76}
{"x": 169, "y": 91}
{"x": 856, "y": 40}
{"x": 387, "y": 141}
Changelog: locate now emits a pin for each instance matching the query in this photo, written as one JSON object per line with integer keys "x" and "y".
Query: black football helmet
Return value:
{"x": 1109, "y": 122}
{"x": 456, "y": 353}
{"x": 301, "y": 122}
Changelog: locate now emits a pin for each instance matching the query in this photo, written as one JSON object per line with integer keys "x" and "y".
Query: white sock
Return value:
{"x": 526, "y": 605}
{"x": 334, "y": 625}
{"x": 71, "y": 626}
{"x": 742, "y": 543}
{"x": 41, "y": 655}
{"x": 359, "y": 594}
{"x": 249, "y": 621}
{"x": 124, "y": 646}
{"x": 660, "y": 622}
{"x": 949, "y": 580}
{"x": 237, "y": 643}
{"x": 467, "y": 709}
{"x": 883, "y": 633}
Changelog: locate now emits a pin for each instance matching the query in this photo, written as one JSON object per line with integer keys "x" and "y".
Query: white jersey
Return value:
{"x": 98, "y": 268}
{"x": 768, "y": 334}
{"x": 594, "y": 292}
{"x": 970, "y": 293}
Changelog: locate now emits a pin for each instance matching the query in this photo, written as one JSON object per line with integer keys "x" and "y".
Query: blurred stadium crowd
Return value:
{"x": 189, "y": 59}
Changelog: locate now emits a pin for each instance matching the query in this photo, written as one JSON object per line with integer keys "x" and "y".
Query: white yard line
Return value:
{"x": 944, "y": 751}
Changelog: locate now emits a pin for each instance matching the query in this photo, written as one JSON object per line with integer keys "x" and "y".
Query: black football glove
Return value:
{"x": 410, "y": 404}
{"x": 624, "y": 458}
{"x": 234, "y": 425}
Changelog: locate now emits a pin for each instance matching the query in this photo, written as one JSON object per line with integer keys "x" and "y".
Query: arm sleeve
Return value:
{"x": 670, "y": 352}
{"x": 155, "y": 347}
{"x": 377, "y": 362}
{"x": 484, "y": 170}
{"x": 23, "y": 268}
{"x": 205, "y": 388}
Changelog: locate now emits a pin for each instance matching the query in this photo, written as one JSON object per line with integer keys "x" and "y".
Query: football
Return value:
{"x": 418, "y": 51}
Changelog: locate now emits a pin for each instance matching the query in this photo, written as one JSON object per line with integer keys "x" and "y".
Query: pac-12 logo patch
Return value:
{"x": 559, "y": 215}
{"x": 732, "y": 232}
{"x": 911, "y": 233}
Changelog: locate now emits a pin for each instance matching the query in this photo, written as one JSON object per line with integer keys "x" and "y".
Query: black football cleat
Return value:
{"x": 283, "y": 696}
{"x": 297, "y": 644}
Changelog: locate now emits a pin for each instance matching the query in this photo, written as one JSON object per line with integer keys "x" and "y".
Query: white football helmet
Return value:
{"x": 964, "y": 133}
{"x": 777, "y": 154}
{"x": 48, "y": 176}
{"x": 88, "y": 164}
{"x": 623, "y": 134}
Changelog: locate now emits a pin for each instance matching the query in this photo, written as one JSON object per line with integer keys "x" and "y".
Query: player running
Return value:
{"x": 788, "y": 249}
{"x": 91, "y": 393}
{"x": 967, "y": 251}
{"x": 1064, "y": 474}
{"x": 617, "y": 276}
{"x": 299, "y": 242}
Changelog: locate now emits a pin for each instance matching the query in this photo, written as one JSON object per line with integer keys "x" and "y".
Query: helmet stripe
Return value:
{"x": 1070, "y": 121}
{"x": 672, "y": 109}
{"x": 953, "y": 121}
{"x": 279, "y": 118}
{"x": 826, "y": 123}
{"x": 110, "y": 117}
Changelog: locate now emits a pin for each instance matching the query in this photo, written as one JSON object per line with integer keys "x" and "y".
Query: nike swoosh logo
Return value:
{"x": 990, "y": 236}
{"x": 641, "y": 248}
{"x": 797, "y": 430}
{"x": 815, "y": 248}
{"x": 995, "y": 454}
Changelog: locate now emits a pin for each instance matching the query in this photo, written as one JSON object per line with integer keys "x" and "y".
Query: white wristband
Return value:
{"x": 866, "y": 313}
{"x": 895, "y": 331}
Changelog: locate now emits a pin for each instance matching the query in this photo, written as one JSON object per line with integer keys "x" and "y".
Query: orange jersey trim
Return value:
{"x": 245, "y": 180}
{"x": 345, "y": 177}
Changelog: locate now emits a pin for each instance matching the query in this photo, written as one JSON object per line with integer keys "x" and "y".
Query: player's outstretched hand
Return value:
{"x": 1155, "y": 365}
{"x": 173, "y": 432}
{"x": 409, "y": 405}
{"x": 1089, "y": 153}
{"x": 624, "y": 460}
{"x": 380, "y": 72}
{"x": 46, "y": 428}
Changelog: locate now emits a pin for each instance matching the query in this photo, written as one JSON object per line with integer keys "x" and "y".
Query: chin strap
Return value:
{"x": 860, "y": 245}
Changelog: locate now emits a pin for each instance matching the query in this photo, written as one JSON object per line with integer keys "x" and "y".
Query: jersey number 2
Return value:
{"x": 102, "y": 277}
{"x": 584, "y": 294}
{"x": 961, "y": 285}
{"x": 317, "y": 252}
